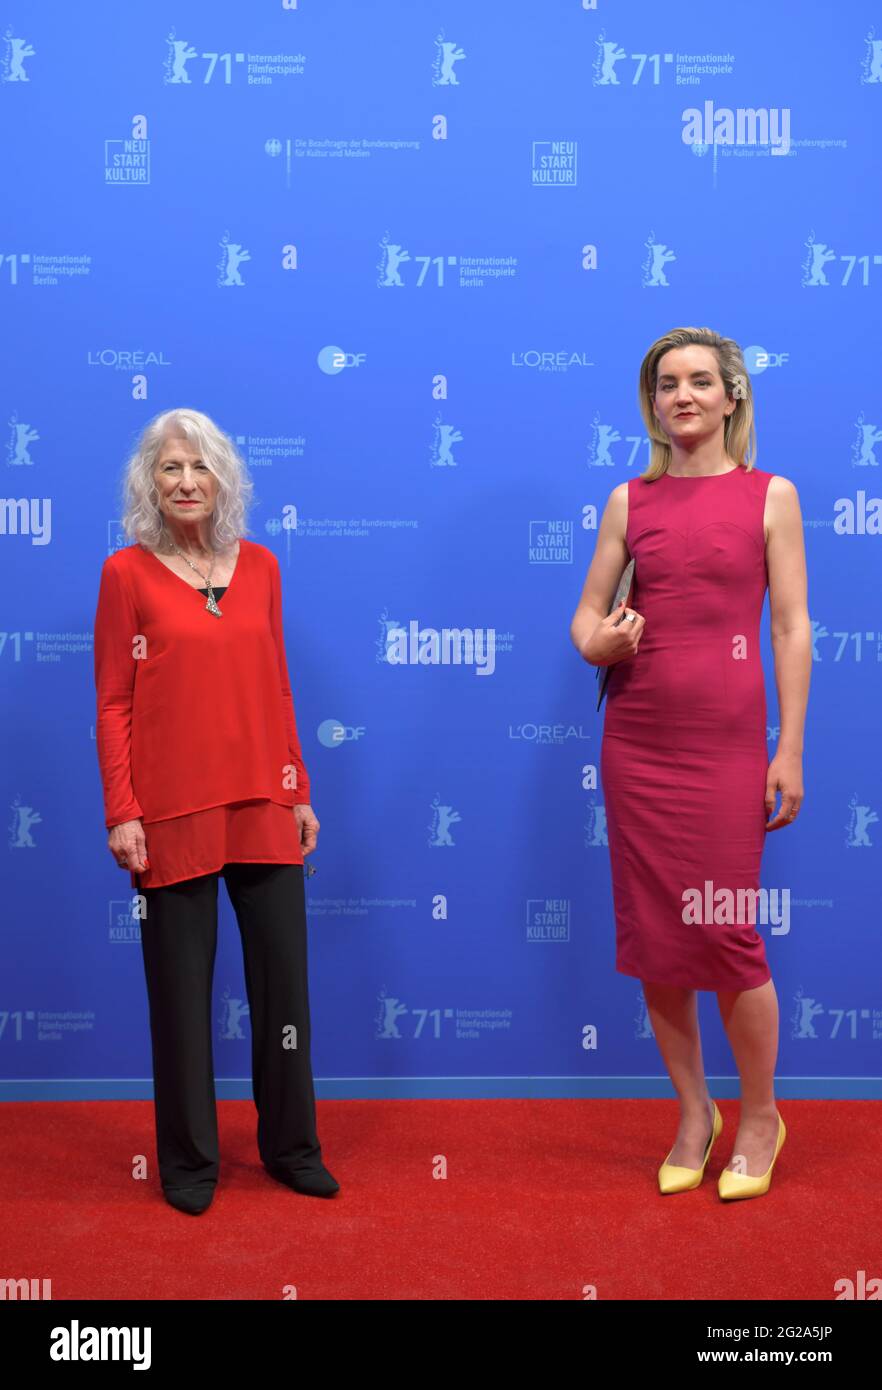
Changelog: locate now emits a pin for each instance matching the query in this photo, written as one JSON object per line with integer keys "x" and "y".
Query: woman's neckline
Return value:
{"x": 196, "y": 588}
{"x": 700, "y": 477}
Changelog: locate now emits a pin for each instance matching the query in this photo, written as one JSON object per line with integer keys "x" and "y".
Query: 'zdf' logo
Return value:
{"x": 332, "y": 733}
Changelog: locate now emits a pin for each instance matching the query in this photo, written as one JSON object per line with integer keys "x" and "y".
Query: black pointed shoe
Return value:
{"x": 313, "y": 1182}
{"x": 194, "y": 1200}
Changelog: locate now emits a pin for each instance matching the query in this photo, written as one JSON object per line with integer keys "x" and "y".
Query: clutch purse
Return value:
{"x": 623, "y": 591}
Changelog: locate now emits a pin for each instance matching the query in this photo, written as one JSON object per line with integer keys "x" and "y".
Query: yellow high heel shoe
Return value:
{"x": 673, "y": 1178}
{"x": 741, "y": 1185}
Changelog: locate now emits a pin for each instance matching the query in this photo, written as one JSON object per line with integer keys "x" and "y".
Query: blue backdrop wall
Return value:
{"x": 409, "y": 256}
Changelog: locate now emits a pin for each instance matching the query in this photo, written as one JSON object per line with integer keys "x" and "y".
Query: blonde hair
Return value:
{"x": 739, "y": 433}
{"x": 142, "y": 518}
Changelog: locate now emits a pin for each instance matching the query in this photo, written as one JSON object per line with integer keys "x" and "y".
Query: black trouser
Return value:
{"x": 179, "y": 942}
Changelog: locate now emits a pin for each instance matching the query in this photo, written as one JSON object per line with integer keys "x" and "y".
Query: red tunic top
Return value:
{"x": 195, "y": 727}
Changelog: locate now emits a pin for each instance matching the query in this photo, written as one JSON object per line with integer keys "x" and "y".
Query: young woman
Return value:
{"x": 688, "y": 786}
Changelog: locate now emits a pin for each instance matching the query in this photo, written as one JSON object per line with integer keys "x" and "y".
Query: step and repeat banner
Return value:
{"x": 409, "y": 256}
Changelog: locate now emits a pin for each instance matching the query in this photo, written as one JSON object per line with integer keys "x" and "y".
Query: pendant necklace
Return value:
{"x": 211, "y": 605}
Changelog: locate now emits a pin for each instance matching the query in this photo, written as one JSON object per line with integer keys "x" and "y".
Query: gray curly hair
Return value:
{"x": 739, "y": 432}
{"x": 142, "y": 518}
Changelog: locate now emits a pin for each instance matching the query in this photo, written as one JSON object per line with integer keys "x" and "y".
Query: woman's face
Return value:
{"x": 690, "y": 399}
{"x": 187, "y": 488}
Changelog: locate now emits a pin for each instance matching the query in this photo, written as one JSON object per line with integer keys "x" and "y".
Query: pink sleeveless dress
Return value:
{"x": 684, "y": 755}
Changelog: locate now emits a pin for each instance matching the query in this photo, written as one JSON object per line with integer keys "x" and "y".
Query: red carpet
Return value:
{"x": 542, "y": 1198}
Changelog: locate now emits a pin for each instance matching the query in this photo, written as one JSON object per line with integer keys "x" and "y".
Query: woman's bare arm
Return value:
{"x": 609, "y": 559}
{"x": 788, "y": 608}
{"x": 791, "y": 643}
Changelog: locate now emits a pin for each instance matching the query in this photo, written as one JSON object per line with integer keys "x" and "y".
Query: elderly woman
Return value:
{"x": 203, "y": 775}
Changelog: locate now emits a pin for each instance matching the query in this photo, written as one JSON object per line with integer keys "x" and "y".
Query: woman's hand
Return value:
{"x": 308, "y": 824}
{"x": 128, "y": 846}
{"x": 784, "y": 775}
{"x": 609, "y": 642}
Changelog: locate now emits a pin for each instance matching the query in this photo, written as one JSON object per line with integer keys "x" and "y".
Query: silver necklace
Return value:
{"x": 211, "y": 605}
